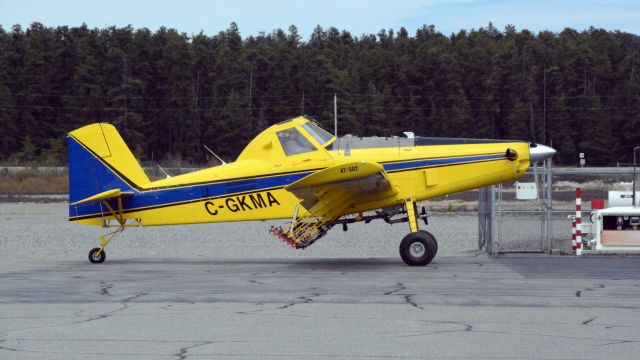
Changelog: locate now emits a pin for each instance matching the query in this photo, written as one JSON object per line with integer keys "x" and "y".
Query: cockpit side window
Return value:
{"x": 293, "y": 142}
{"x": 318, "y": 133}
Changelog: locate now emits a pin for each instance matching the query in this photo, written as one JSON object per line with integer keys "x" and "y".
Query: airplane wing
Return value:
{"x": 328, "y": 193}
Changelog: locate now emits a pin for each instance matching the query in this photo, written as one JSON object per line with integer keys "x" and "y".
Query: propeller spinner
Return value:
{"x": 539, "y": 153}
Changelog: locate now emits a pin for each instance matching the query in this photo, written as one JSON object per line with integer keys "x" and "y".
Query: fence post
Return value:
{"x": 491, "y": 244}
{"x": 549, "y": 207}
{"x": 482, "y": 218}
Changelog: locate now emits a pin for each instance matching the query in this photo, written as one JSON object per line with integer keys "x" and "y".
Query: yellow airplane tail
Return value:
{"x": 100, "y": 161}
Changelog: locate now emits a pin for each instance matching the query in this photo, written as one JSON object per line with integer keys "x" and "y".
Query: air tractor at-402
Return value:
{"x": 292, "y": 170}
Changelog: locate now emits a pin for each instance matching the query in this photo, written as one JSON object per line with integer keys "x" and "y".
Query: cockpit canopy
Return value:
{"x": 287, "y": 139}
{"x": 293, "y": 142}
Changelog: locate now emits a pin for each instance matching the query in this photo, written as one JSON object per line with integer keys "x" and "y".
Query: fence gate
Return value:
{"x": 507, "y": 225}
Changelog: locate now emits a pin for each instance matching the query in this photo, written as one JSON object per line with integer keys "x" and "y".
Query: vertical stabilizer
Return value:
{"x": 99, "y": 160}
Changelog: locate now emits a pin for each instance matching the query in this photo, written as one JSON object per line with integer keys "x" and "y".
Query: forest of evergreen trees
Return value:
{"x": 169, "y": 93}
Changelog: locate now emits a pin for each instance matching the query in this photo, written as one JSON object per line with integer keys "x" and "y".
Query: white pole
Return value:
{"x": 335, "y": 122}
{"x": 335, "y": 114}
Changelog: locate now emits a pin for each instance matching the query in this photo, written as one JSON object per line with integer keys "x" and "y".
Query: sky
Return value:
{"x": 357, "y": 17}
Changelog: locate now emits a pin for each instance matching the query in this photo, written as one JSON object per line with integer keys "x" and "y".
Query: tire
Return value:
{"x": 434, "y": 241}
{"x": 418, "y": 248}
{"x": 97, "y": 259}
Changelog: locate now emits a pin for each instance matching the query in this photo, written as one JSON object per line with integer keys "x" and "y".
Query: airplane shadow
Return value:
{"x": 312, "y": 264}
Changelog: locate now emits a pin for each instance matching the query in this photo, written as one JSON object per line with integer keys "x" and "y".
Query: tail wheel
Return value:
{"x": 418, "y": 248}
{"x": 95, "y": 257}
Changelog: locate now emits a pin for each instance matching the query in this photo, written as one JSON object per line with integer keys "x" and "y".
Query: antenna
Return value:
{"x": 335, "y": 114}
{"x": 161, "y": 169}
{"x": 633, "y": 191}
{"x": 214, "y": 154}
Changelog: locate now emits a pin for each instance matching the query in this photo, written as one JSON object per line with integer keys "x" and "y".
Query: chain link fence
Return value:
{"x": 509, "y": 225}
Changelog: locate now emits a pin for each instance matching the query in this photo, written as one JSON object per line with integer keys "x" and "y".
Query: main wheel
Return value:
{"x": 418, "y": 248}
{"x": 96, "y": 258}
{"x": 434, "y": 241}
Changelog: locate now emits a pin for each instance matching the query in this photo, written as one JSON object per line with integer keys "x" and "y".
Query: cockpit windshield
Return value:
{"x": 318, "y": 133}
{"x": 293, "y": 142}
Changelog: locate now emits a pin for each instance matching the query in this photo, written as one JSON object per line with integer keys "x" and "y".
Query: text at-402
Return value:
{"x": 349, "y": 169}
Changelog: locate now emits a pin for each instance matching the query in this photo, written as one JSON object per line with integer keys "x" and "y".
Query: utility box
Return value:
{"x": 526, "y": 191}
{"x": 616, "y": 228}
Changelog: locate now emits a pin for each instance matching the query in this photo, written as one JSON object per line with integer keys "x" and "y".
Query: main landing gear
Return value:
{"x": 419, "y": 247}
{"x": 416, "y": 249}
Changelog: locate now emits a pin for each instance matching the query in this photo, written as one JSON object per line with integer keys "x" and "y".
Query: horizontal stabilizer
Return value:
{"x": 105, "y": 195}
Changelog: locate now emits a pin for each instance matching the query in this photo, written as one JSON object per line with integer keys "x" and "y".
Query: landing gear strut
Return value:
{"x": 416, "y": 249}
{"x": 98, "y": 255}
{"x": 419, "y": 247}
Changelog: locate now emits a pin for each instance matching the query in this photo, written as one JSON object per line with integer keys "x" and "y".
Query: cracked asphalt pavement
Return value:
{"x": 516, "y": 307}
{"x": 168, "y": 294}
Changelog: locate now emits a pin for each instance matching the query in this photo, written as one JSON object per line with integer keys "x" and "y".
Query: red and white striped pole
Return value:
{"x": 578, "y": 222}
{"x": 573, "y": 234}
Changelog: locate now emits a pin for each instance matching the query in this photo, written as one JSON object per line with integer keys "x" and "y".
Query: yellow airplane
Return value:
{"x": 289, "y": 171}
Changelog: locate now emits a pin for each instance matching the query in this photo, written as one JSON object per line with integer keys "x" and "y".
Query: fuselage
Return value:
{"x": 253, "y": 188}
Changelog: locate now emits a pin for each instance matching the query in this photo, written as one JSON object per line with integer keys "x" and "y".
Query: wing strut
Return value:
{"x": 295, "y": 217}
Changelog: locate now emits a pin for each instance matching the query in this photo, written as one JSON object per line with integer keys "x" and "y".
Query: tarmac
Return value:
{"x": 211, "y": 293}
{"x": 516, "y": 307}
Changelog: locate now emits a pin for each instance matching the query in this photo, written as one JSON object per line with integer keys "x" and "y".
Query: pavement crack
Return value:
{"x": 7, "y": 348}
{"x": 183, "y": 352}
{"x": 105, "y": 287}
{"x": 129, "y": 299}
{"x": 4, "y": 347}
{"x": 617, "y": 342}
{"x": 400, "y": 288}
{"x": 286, "y": 306}
{"x": 305, "y": 300}
{"x": 125, "y": 305}
{"x": 588, "y": 288}
{"x": 466, "y": 327}
{"x": 409, "y": 300}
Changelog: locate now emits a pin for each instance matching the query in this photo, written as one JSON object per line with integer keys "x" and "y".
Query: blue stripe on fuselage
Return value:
{"x": 152, "y": 198}
{"x": 440, "y": 161}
